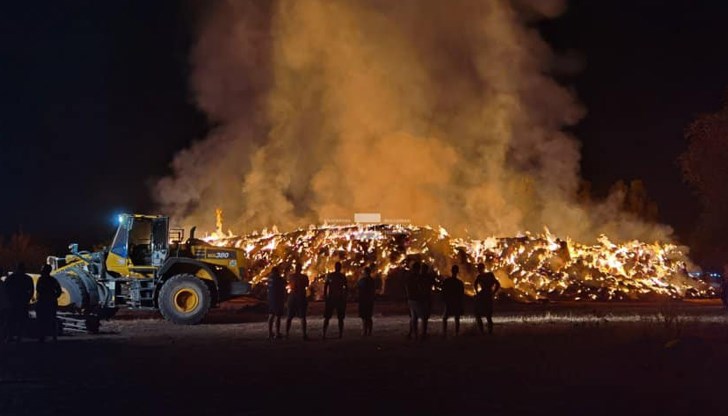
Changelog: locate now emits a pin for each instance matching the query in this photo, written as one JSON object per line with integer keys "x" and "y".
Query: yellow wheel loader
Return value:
{"x": 149, "y": 266}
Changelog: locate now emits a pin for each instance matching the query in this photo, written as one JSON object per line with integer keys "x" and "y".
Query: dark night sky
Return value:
{"x": 94, "y": 102}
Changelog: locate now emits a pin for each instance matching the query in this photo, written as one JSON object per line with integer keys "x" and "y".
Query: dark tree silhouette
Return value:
{"x": 705, "y": 167}
{"x": 635, "y": 199}
{"x": 632, "y": 198}
{"x": 20, "y": 247}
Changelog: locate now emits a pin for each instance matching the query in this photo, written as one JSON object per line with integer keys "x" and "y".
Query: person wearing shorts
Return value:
{"x": 453, "y": 293}
{"x": 276, "y": 301}
{"x": 367, "y": 293}
{"x": 427, "y": 283}
{"x": 414, "y": 301}
{"x": 486, "y": 286}
{"x": 335, "y": 292}
{"x": 297, "y": 300}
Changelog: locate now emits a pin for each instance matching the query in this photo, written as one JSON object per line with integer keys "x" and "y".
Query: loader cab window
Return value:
{"x": 120, "y": 246}
{"x": 140, "y": 242}
{"x": 160, "y": 229}
{"x": 160, "y": 241}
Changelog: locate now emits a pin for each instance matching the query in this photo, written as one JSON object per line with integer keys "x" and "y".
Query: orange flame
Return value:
{"x": 529, "y": 267}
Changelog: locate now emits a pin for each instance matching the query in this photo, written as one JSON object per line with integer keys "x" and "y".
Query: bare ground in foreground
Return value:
{"x": 567, "y": 358}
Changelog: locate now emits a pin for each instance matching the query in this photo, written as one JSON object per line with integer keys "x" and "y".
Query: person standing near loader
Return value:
{"x": 486, "y": 286}
{"x": 453, "y": 293}
{"x": 724, "y": 286}
{"x": 335, "y": 292}
{"x": 48, "y": 290}
{"x": 297, "y": 300}
{"x": 276, "y": 301}
{"x": 367, "y": 290}
{"x": 4, "y": 308}
{"x": 19, "y": 287}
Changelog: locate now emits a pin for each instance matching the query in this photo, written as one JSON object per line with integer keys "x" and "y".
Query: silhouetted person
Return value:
{"x": 453, "y": 293}
{"x": 427, "y": 282}
{"x": 486, "y": 286}
{"x": 414, "y": 300}
{"x": 335, "y": 290}
{"x": 394, "y": 284}
{"x": 276, "y": 301}
{"x": 4, "y": 308}
{"x": 47, "y": 292}
{"x": 297, "y": 300}
{"x": 19, "y": 287}
{"x": 724, "y": 286}
{"x": 367, "y": 291}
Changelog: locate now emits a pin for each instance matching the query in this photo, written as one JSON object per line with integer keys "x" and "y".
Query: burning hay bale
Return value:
{"x": 529, "y": 267}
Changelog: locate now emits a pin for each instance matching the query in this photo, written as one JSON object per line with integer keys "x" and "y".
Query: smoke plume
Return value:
{"x": 440, "y": 112}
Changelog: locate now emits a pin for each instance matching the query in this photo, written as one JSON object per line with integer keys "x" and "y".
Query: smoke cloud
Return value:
{"x": 439, "y": 112}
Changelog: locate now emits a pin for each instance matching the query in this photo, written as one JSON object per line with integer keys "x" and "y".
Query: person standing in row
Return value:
{"x": 297, "y": 300}
{"x": 486, "y": 286}
{"x": 47, "y": 292}
{"x": 367, "y": 291}
{"x": 19, "y": 287}
{"x": 4, "y": 308}
{"x": 335, "y": 292}
{"x": 412, "y": 289}
{"x": 453, "y": 293}
{"x": 276, "y": 301}
{"x": 427, "y": 283}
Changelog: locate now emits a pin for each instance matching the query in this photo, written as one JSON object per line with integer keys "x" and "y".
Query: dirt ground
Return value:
{"x": 660, "y": 358}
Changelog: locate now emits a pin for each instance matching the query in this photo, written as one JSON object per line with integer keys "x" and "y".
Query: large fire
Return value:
{"x": 529, "y": 267}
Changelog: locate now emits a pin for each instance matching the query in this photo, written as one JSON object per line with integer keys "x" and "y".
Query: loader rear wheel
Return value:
{"x": 184, "y": 299}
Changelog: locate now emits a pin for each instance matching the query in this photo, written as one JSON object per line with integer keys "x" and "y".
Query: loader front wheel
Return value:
{"x": 184, "y": 299}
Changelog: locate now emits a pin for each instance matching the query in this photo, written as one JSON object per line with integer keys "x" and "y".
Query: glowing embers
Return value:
{"x": 529, "y": 267}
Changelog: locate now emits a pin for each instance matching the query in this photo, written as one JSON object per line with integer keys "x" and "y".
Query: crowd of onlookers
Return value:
{"x": 419, "y": 287}
{"x": 16, "y": 292}
{"x": 287, "y": 296}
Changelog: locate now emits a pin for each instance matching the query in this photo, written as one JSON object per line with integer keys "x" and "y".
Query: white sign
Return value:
{"x": 367, "y": 217}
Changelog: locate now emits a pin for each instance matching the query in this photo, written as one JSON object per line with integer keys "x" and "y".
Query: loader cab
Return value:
{"x": 141, "y": 244}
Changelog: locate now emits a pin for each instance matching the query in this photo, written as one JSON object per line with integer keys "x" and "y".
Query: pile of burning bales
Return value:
{"x": 529, "y": 267}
